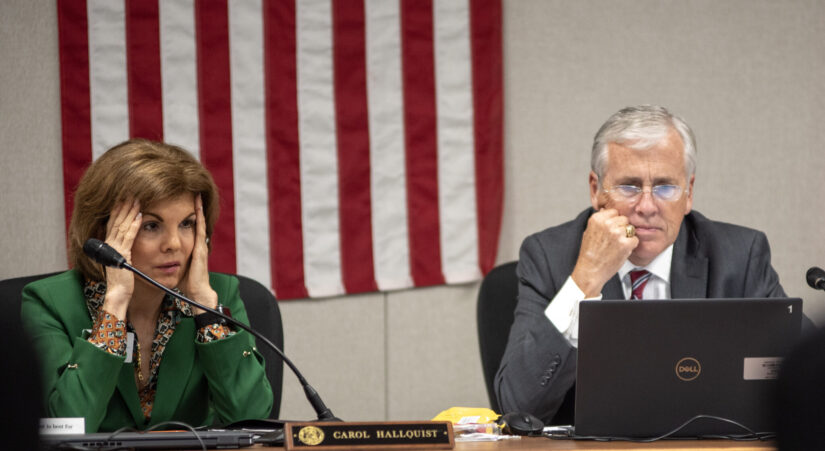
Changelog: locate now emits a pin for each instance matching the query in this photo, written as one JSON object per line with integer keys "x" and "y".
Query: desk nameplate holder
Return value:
{"x": 366, "y": 435}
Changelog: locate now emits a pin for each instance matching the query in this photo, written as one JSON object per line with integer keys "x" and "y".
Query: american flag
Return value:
{"x": 357, "y": 144}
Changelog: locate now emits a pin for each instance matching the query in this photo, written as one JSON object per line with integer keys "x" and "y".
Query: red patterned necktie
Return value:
{"x": 638, "y": 280}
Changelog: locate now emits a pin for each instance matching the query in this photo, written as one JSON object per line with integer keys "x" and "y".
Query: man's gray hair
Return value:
{"x": 640, "y": 128}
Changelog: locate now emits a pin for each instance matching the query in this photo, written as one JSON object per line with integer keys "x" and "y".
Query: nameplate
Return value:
{"x": 367, "y": 435}
{"x": 50, "y": 426}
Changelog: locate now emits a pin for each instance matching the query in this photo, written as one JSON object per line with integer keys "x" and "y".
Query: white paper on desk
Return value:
{"x": 53, "y": 426}
{"x": 478, "y": 437}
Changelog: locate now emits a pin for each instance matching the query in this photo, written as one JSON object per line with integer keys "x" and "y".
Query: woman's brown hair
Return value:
{"x": 145, "y": 170}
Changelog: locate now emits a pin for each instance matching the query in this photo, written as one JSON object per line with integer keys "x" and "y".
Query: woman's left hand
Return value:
{"x": 196, "y": 283}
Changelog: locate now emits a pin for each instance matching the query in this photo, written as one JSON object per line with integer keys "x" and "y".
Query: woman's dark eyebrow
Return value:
{"x": 159, "y": 218}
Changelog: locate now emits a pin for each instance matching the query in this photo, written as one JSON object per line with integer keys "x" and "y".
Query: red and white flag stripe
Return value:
{"x": 357, "y": 144}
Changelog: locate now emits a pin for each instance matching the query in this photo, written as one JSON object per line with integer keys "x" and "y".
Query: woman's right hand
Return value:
{"x": 121, "y": 230}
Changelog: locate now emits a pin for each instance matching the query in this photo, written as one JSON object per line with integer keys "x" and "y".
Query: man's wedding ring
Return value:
{"x": 630, "y": 230}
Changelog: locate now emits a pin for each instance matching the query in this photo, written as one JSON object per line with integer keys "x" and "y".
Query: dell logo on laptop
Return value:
{"x": 688, "y": 369}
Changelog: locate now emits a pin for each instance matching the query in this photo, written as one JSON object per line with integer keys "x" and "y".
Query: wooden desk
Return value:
{"x": 545, "y": 444}
{"x": 539, "y": 443}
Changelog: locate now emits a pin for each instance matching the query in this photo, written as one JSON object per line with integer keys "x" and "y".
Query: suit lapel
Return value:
{"x": 613, "y": 289}
{"x": 128, "y": 390}
{"x": 688, "y": 269}
{"x": 173, "y": 374}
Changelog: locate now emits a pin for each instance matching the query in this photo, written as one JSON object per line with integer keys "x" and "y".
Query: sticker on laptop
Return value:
{"x": 761, "y": 368}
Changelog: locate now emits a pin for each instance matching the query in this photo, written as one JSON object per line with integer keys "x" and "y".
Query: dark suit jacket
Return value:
{"x": 710, "y": 260}
{"x": 197, "y": 382}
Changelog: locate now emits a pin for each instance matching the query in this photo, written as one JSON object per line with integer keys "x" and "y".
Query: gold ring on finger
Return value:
{"x": 630, "y": 230}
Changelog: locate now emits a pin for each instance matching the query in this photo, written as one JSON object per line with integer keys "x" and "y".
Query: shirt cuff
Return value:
{"x": 109, "y": 333}
{"x": 563, "y": 310}
{"x": 213, "y": 332}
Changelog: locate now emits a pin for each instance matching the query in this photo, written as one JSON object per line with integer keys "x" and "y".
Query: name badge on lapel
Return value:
{"x": 130, "y": 346}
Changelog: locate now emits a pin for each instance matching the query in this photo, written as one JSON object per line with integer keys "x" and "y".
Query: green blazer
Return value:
{"x": 198, "y": 383}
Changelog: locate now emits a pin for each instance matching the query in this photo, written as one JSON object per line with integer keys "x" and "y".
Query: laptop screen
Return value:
{"x": 646, "y": 367}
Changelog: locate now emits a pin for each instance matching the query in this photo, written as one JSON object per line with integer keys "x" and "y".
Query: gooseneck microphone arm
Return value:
{"x": 108, "y": 256}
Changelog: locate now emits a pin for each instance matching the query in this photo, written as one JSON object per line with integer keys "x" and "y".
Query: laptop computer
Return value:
{"x": 150, "y": 440}
{"x": 646, "y": 367}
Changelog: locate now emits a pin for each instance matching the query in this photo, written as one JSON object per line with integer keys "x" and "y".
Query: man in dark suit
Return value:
{"x": 639, "y": 240}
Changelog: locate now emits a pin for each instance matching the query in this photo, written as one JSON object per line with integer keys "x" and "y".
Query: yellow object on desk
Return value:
{"x": 467, "y": 415}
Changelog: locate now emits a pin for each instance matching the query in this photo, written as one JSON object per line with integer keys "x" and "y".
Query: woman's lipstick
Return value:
{"x": 169, "y": 268}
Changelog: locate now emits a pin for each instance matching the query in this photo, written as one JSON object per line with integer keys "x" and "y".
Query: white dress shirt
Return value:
{"x": 563, "y": 310}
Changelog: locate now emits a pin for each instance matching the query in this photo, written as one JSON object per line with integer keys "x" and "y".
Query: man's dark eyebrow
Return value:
{"x": 664, "y": 181}
{"x": 629, "y": 181}
{"x": 635, "y": 181}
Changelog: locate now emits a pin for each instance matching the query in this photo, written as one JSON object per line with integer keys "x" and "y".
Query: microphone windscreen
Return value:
{"x": 815, "y": 277}
{"x": 103, "y": 253}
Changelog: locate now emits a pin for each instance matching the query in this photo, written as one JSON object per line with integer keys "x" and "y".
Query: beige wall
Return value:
{"x": 746, "y": 74}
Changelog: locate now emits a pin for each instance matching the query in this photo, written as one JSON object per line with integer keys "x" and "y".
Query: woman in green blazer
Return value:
{"x": 120, "y": 352}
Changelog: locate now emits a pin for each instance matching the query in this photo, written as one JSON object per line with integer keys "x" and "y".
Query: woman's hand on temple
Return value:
{"x": 196, "y": 283}
{"x": 121, "y": 230}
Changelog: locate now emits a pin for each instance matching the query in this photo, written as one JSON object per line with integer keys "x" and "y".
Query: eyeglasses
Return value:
{"x": 632, "y": 193}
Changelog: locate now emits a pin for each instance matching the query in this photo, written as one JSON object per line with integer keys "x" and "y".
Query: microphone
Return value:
{"x": 106, "y": 255}
{"x": 103, "y": 253}
{"x": 816, "y": 278}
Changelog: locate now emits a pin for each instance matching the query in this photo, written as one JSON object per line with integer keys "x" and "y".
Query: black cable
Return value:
{"x": 750, "y": 435}
{"x": 112, "y": 437}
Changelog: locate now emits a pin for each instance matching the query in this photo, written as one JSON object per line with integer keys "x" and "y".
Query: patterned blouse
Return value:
{"x": 109, "y": 334}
